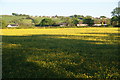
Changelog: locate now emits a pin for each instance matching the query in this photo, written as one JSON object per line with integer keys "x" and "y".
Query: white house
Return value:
{"x": 97, "y": 25}
{"x": 12, "y": 25}
{"x": 82, "y": 24}
{"x": 63, "y": 24}
{"x": 100, "y": 25}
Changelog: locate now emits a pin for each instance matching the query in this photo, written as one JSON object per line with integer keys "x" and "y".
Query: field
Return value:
{"x": 8, "y": 18}
{"x": 61, "y": 53}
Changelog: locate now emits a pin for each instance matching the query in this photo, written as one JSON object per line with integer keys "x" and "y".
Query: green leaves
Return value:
{"x": 88, "y": 21}
{"x": 47, "y": 22}
{"x": 116, "y": 16}
{"x": 116, "y": 11}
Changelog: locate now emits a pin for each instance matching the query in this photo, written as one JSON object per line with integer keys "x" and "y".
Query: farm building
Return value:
{"x": 82, "y": 24}
{"x": 12, "y": 25}
{"x": 97, "y": 25}
{"x": 63, "y": 24}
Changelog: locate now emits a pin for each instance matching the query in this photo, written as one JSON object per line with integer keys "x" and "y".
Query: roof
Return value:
{"x": 13, "y": 24}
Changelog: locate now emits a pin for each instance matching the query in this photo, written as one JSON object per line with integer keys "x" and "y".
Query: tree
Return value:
{"x": 35, "y": 21}
{"x": 88, "y": 21}
{"x": 68, "y": 21}
{"x": 116, "y": 16}
{"x": 75, "y": 22}
{"x": 116, "y": 11}
{"x": 47, "y": 22}
{"x": 114, "y": 21}
{"x": 88, "y": 17}
{"x": 75, "y": 16}
{"x": 14, "y": 14}
{"x": 3, "y": 23}
{"x": 102, "y": 17}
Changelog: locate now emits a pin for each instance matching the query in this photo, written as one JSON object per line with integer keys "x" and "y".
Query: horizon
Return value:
{"x": 60, "y": 7}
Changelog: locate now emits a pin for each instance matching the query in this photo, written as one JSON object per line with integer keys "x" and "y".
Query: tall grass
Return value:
{"x": 61, "y": 53}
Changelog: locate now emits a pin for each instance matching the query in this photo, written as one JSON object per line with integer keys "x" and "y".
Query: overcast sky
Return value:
{"x": 94, "y": 8}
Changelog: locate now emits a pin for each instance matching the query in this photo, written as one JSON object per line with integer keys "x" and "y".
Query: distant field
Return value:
{"x": 61, "y": 53}
{"x": 8, "y": 18}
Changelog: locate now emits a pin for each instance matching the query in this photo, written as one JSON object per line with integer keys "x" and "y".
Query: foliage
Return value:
{"x": 37, "y": 20}
{"x": 9, "y": 18}
{"x": 114, "y": 20}
{"x": 77, "y": 16}
{"x": 87, "y": 17}
{"x": 3, "y": 23}
{"x": 102, "y": 16}
{"x": 116, "y": 11}
{"x": 72, "y": 21}
{"x": 67, "y": 20}
{"x": 47, "y": 22}
{"x": 75, "y": 22}
{"x": 15, "y": 14}
{"x": 116, "y": 16}
{"x": 88, "y": 21}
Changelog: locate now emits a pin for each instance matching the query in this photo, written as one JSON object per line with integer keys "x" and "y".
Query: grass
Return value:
{"x": 9, "y": 18}
{"x": 61, "y": 53}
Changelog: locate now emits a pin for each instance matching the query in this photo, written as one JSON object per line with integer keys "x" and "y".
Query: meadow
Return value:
{"x": 61, "y": 53}
{"x": 9, "y": 18}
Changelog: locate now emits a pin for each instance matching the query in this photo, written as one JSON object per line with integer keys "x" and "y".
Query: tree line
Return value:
{"x": 75, "y": 19}
{"x": 71, "y": 20}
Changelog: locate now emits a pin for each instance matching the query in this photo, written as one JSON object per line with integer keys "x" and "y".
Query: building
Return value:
{"x": 12, "y": 25}
{"x": 62, "y": 24}
{"x": 97, "y": 25}
{"x": 82, "y": 24}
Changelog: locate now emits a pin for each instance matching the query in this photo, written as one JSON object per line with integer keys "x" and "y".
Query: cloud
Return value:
{"x": 58, "y": 1}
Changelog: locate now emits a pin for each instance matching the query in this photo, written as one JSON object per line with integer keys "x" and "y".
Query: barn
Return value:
{"x": 12, "y": 25}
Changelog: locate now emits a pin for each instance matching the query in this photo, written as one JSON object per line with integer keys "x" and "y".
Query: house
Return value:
{"x": 12, "y": 25}
{"x": 63, "y": 24}
{"x": 82, "y": 24}
{"x": 97, "y": 25}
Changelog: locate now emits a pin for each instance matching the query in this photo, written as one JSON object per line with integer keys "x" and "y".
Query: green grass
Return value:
{"x": 60, "y": 56}
{"x": 39, "y": 19}
{"x": 9, "y": 18}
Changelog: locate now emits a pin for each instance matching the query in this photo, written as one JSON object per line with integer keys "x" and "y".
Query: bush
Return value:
{"x": 47, "y": 22}
{"x": 116, "y": 25}
{"x": 4, "y": 24}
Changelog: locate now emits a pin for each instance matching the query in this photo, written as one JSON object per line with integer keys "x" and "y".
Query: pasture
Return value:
{"x": 9, "y": 18}
{"x": 61, "y": 53}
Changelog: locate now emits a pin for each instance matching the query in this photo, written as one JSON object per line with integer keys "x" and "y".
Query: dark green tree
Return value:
{"x": 102, "y": 17}
{"x": 88, "y": 21}
{"x": 116, "y": 16}
{"x": 114, "y": 21}
{"x": 75, "y": 16}
{"x": 15, "y": 14}
{"x": 47, "y": 22}
{"x": 116, "y": 11}
{"x": 75, "y": 22}
{"x": 68, "y": 21}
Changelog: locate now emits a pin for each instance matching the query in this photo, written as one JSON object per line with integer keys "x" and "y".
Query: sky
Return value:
{"x": 93, "y": 8}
